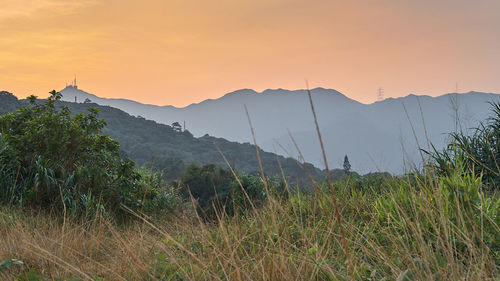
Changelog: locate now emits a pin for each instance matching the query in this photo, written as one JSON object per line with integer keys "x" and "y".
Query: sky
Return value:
{"x": 178, "y": 52}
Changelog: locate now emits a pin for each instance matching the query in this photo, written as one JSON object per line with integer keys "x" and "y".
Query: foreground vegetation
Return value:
{"x": 442, "y": 228}
{"x": 441, "y": 223}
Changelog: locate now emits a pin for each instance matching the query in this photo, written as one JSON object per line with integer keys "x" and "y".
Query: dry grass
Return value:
{"x": 74, "y": 248}
{"x": 415, "y": 237}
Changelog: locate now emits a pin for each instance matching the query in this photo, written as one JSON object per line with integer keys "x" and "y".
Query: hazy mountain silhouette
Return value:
{"x": 375, "y": 136}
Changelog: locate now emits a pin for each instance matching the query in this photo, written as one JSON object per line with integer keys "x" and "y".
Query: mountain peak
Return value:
{"x": 72, "y": 92}
{"x": 241, "y": 92}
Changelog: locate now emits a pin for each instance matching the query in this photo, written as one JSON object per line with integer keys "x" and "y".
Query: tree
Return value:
{"x": 347, "y": 165}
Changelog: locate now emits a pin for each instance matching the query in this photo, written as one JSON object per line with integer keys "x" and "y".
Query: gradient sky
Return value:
{"x": 183, "y": 51}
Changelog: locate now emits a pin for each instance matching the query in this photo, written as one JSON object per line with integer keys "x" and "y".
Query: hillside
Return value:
{"x": 375, "y": 136}
{"x": 152, "y": 144}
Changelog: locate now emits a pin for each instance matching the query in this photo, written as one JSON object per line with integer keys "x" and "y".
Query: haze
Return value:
{"x": 181, "y": 52}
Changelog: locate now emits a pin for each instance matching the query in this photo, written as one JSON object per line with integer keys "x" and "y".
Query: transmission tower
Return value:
{"x": 380, "y": 94}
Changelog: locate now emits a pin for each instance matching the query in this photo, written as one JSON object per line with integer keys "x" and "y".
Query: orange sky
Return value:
{"x": 183, "y": 51}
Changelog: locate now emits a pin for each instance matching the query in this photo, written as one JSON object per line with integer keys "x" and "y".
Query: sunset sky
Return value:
{"x": 183, "y": 51}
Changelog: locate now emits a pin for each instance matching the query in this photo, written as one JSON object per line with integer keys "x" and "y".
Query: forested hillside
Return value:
{"x": 161, "y": 146}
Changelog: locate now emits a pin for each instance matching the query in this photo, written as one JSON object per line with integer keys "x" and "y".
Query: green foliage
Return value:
{"x": 52, "y": 160}
{"x": 479, "y": 152}
{"x": 416, "y": 227}
{"x": 373, "y": 181}
{"x": 250, "y": 193}
{"x": 156, "y": 193}
{"x": 250, "y": 190}
{"x": 208, "y": 184}
{"x": 218, "y": 191}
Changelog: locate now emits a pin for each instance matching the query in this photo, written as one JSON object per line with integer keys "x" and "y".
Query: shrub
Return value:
{"x": 217, "y": 190}
{"x": 208, "y": 184}
{"x": 250, "y": 193}
{"x": 155, "y": 193}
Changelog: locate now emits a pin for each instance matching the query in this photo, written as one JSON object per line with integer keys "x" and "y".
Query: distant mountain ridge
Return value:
{"x": 375, "y": 136}
{"x": 210, "y": 116}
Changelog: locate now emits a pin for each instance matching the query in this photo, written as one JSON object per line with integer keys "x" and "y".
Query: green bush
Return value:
{"x": 217, "y": 190}
{"x": 250, "y": 193}
{"x": 209, "y": 185}
{"x": 50, "y": 159}
{"x": 156, "y": 193}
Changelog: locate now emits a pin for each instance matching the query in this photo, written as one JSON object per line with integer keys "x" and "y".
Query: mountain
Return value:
{"x": 383, "y": 136}
{"x": 375, "y": 136}
{"x": 161, "y": 146}
{"x": 269, "y": 110}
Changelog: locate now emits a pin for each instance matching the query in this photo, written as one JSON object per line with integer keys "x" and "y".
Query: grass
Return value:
{"x": 397, "y": 229}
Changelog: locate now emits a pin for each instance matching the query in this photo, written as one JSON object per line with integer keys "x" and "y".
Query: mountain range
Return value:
{"x": 382, "y": 136}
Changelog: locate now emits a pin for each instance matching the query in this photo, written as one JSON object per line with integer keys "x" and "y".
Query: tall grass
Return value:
{"x": 440, "y": 228}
